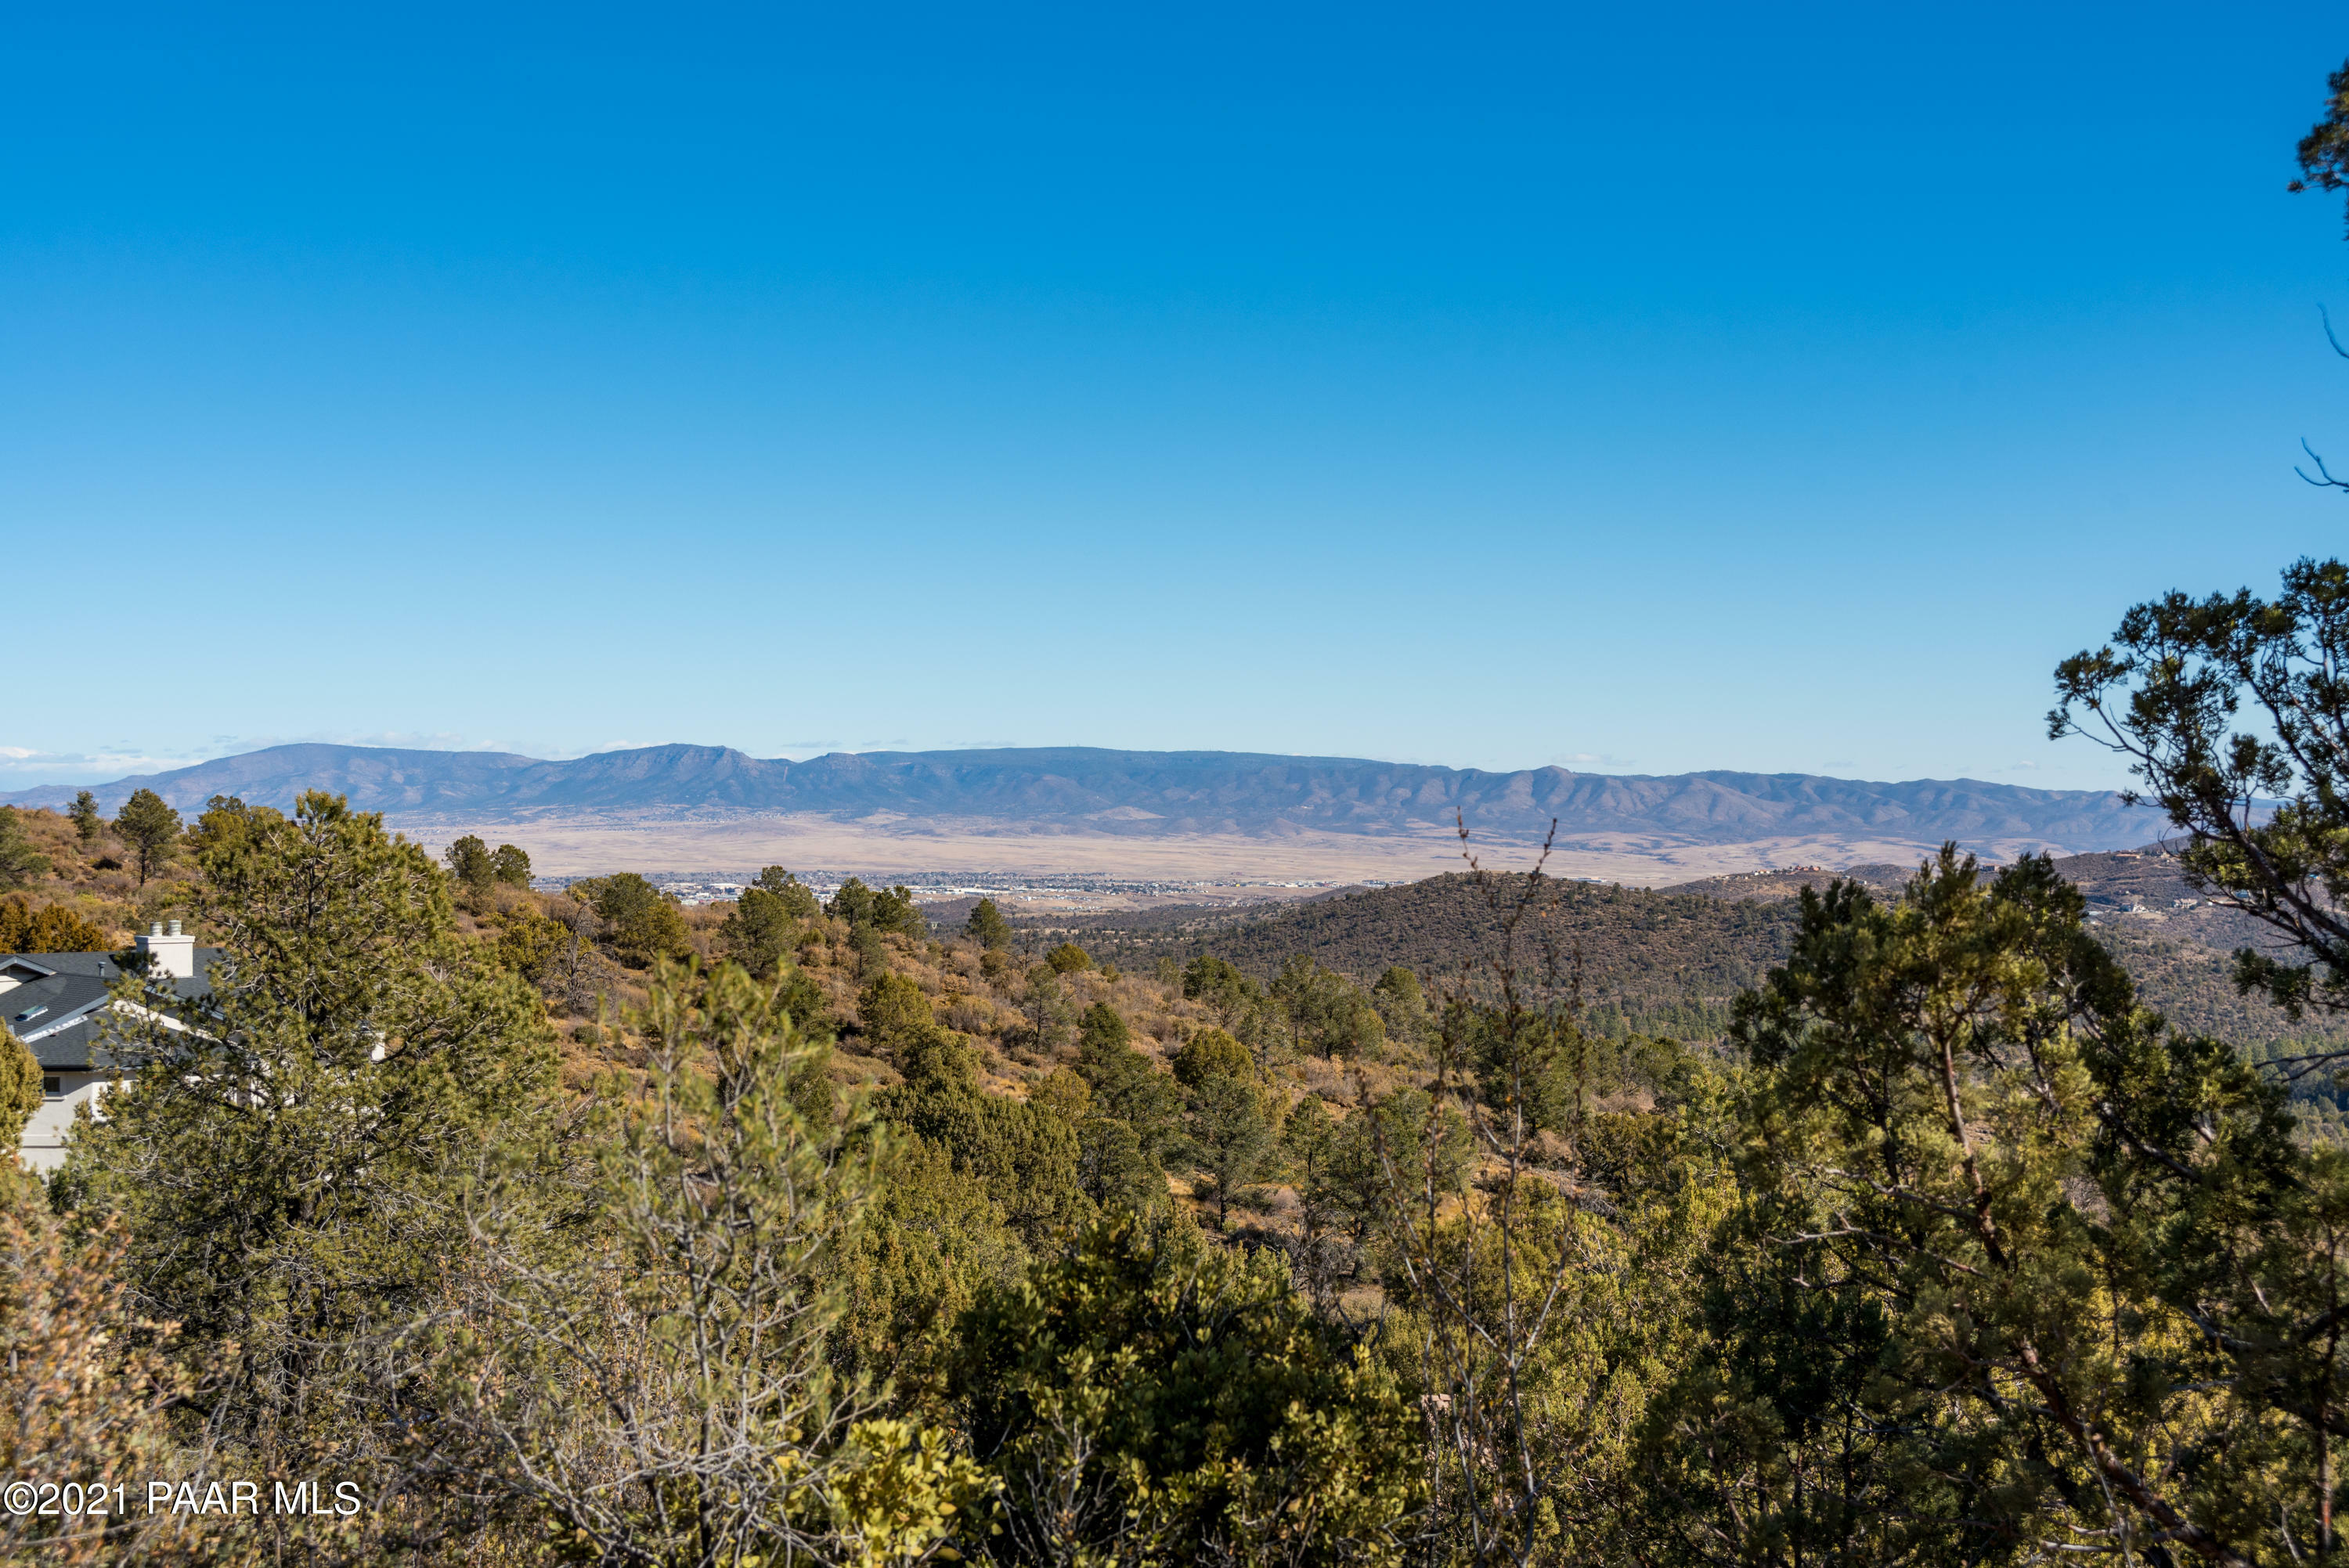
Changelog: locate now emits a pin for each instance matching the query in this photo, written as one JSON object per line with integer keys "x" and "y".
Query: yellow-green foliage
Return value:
{"x": 1212, "y": 1054}
{"x": 901, "y": 1492}
{"x": 52, "y": 928}
{"x": 2014, "y": 1259}
{"x": 935, "y": 1237}
{"x": 20, "y": 1086}
{"x": 1223, "y": 1420}
{"x": 86, "y": 1387}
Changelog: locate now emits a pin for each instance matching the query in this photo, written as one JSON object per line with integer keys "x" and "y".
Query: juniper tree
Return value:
{"x": 509, "y": 866}
{"x": 2062, "y": 1275}
{"x": 471, "y": 863}
{"x": 1142, "y": 1398}
{"x": 641, "y": 921}
{"x": 1210, "y": 1054}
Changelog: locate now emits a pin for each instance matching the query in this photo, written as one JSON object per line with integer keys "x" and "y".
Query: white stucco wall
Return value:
{"x": 42, "y": 1148}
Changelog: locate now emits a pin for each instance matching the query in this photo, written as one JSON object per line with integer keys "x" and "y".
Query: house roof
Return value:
{"x": 55, "y": 1005}
{"x": 53, "y": 1016}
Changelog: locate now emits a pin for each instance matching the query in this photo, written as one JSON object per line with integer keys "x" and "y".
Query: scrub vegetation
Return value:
{"x": 589, "y": 1228}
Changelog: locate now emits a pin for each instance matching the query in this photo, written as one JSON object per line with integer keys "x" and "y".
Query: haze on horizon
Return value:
{"x": 1782, "y": 392}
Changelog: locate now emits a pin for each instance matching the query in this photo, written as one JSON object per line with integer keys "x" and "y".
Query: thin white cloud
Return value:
{"x": 23, "y": 767}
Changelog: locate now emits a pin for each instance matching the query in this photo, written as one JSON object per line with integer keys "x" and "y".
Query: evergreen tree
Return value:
{"x": 286, "y": 1165}
{"x": 1238, "y": 1003}
{"x": 1115, "y": 1170}
{"x": 2069, "y": 1274}
{"x": 896, "y": 912}
{"x": 471, "y": 863}
{"x": 799, "y": 899}
{"x": 1127, "y": 1086}
{"x": 1024, "y": 1154}
{"x": 87, "y": 1390}
{"x": 20, "y": 1086}
{"x": 987, "y": 927}
{"x": 1231, "y": 1143}
{"x": 1047, "y": 1007}
{"x": 86, "y": 820}
{"x": 871, "y": 952}
{"x": 509, "y": 866}
{"x": 1211, "y": 1054}
{"x": 1140, "y": 1398}
{"x": 852, "y": 902}
{"x": 642, "y": 922}
{"x": 1403, "y": 1006}
{"x": 761, "y": 933}
{"x": 52, "y": 928}
{"x": 151, "y": 828}
{"x": 1324, "y": 1014}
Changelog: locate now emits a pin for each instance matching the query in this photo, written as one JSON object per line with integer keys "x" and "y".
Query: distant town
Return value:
{"x": 1040, "y": 895}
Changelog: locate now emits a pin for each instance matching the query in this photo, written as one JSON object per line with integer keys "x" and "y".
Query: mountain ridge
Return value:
{"x": 1141, "y": 794}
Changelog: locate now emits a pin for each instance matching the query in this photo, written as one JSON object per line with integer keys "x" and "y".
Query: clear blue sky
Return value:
{"x": 1639, "y": 388}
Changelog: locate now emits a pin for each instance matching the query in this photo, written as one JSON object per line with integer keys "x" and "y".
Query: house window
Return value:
{"x": 53, "y": 1086}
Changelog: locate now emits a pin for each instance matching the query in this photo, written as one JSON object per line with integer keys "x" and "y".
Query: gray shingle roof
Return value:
{"x": 55, "y": 1007}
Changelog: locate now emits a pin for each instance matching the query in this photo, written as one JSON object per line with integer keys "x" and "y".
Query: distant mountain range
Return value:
{"x": 1143, "y": 794}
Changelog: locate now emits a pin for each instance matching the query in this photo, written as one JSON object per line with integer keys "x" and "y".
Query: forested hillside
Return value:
{"x": 1668, "y": 962}
{"x": 590, "y": 1228}
{"x": 1651, "y": 963}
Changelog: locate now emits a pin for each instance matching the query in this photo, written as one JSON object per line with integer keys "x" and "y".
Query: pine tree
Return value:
{"x": 151, "y": 828}
{"x": 987, "y": 927}
{"x": 288, "y": 1164}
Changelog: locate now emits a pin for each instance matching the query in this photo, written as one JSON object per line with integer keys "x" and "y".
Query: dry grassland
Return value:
{"x": 580, "y": 846}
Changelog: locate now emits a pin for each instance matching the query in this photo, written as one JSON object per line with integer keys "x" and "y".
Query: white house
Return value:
{"x": 54, "y": 1003}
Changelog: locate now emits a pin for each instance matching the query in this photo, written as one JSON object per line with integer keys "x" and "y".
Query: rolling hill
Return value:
{"x": 1669, "y": 961}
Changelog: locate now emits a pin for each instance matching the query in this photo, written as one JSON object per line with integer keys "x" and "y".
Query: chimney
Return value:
{"x": 171, "y": 954}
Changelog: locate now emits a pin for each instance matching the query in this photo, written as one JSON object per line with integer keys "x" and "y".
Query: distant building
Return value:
{"x": 56, "y": 1003}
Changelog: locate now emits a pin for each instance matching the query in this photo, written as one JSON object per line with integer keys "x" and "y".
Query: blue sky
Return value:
{"x": 1633, "y": 388}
